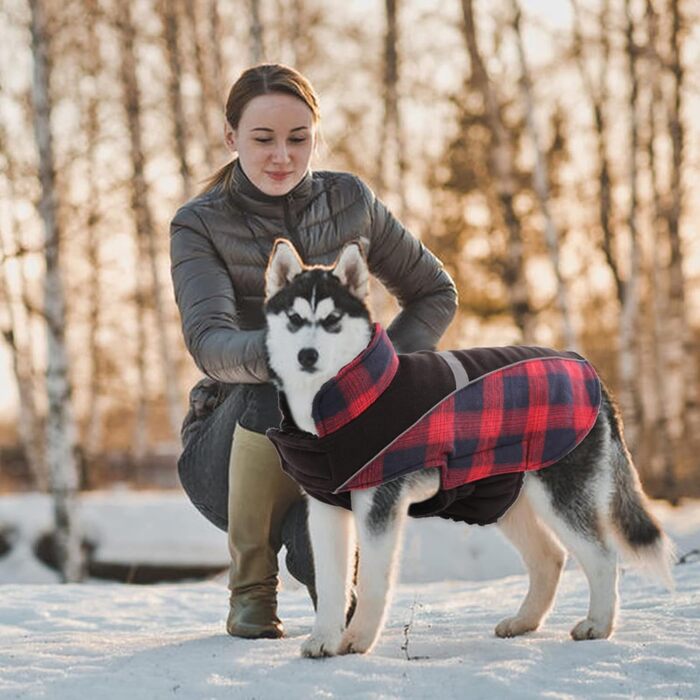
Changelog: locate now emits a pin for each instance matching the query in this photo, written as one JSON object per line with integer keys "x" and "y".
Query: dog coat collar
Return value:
{"x": 474, "y": 414}
{"x": 357, "y": 386}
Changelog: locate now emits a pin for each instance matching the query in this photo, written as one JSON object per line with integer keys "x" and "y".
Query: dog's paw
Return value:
{"x": 321, "y": 643}
{"x": 357, "y": 640}
{"x": 514, "y": 626}
{"x": 589, "y": 629}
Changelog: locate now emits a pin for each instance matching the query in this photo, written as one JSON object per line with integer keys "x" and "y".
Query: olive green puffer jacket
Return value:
{"x": 221, "y": 241}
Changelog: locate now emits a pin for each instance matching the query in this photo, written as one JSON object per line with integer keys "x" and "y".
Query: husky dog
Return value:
{"x": 590, "y": 502}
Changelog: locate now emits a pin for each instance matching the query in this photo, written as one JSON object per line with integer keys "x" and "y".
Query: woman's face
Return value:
{"x": 274, "y": 141}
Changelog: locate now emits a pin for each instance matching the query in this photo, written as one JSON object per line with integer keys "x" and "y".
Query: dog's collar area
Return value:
{"x": 357, "y": 386}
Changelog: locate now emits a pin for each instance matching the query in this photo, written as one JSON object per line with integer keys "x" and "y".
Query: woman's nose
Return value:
{"x": 281, "y": 154}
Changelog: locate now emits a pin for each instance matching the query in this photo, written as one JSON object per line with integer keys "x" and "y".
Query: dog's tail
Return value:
{"x": 636, "y": 530}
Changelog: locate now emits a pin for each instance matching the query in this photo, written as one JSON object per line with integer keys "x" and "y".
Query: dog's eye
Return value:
{"x": 296, "y": 320}
{"x": 331, "y": 320}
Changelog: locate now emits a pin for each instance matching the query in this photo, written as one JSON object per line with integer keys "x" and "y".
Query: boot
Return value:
{"x": 260, "y": 493}
{"x": 253, "y": 615}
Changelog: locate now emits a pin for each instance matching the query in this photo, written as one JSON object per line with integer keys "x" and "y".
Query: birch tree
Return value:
{"x": 666, "y": 445}
{"x": 683, "y": 348}
{"x": 206, "y": 91}
{"x": 257, "y": 42}
{"x": 629, "y": 303}
{"x": 92, "y": 66}
{"x": 540, "y": 181}
{"x": 598, "y": 93}
{"x": 626, "y": 282}
{"x": 215, "y": 41}
{"x": 168, "y": 12}
{"x": 61, "y": 430}
{"x": 147, "y": 244}
{"x": 391, "y": 143}
{"x": 16, "y": 330}
{"x": 501, "y": 170}
{"x": 28, "y": 421}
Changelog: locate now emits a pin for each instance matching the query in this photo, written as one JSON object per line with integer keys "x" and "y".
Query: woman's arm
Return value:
{"x": 426, "y": 293}
{"x": 207, "y": 303}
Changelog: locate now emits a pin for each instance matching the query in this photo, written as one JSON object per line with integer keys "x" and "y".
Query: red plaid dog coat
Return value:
{"x": 482, "y": 416}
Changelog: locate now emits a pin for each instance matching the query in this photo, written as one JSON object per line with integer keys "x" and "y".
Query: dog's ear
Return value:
{"x": 284, "y": 264}
{"x": 351, "y": 269}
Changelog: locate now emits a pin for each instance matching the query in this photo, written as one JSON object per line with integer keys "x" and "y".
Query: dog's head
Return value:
{"x": 317, "y": 318}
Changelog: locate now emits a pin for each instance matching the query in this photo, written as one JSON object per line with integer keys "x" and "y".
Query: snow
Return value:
{"x": 106, "y": 640}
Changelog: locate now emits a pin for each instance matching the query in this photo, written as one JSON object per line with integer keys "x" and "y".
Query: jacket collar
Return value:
{"x": 358, "y": 385}
{"x": 254, "y": 200}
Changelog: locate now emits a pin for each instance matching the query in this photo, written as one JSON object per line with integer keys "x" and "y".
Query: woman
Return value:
{"x": 220, "y": 243}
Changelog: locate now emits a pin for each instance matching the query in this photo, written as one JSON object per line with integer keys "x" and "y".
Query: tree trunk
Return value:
{"x": 28, "y": 422}
{"x": 139, "y": 444}
{"x": 540, "y": 181}
{"x": 628, "y": 369}
{"x": 215, "y": 40}
{"x": 17, "y": 335}
{"x": 145, "y": 228}
{"x": 391, "y": 132}
{"x": 663, "y": 381}
{"x": 598, "y": 96}
{"x": 61, "y": 432}
{"x": 684, "y": 349}
{"x": 626, "y": 286}
{"x": 218, "y": 94}
{"x": 205, "y": 86}
{"x": 257, "y": 44}
{"x": 92, "y": 66}
{"x": 167, "y": 9}
{"x": 501, "y": 165}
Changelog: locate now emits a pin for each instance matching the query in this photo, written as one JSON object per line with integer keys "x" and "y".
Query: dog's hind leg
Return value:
{"x": 332, "y": 540}
{"x": 597, "y": 559}
{"x": 380, "y": 514}
{"x": 544, "y": 559}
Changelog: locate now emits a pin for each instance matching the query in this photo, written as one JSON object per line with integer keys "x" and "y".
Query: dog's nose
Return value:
{"x": 307, "y": 357}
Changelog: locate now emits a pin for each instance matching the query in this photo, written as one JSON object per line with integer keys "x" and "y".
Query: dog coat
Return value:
{"x": 483, "y": 417}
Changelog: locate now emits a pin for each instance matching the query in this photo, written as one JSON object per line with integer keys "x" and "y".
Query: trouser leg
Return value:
{"x": 260, "y": 494}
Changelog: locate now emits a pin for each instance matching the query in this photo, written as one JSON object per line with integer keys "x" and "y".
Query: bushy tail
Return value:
{"x": 638, "y": 532}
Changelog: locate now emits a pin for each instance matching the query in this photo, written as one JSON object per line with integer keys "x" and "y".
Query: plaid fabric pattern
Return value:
{"x": 358, "y": 385}
{"x": 520, "y": 418}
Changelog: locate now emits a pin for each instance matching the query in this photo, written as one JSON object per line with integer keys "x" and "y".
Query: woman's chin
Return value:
{"x": 277, "y": 188}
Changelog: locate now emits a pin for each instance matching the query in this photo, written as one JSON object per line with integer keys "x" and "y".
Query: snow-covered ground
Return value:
{"x": 104, "y": 640}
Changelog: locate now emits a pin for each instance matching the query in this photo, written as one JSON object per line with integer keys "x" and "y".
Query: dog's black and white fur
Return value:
{"x": 589, "y": 503}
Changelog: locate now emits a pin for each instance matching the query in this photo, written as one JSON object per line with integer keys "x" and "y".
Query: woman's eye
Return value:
{"x": 263, "y": 140}
{"x": 297, "y": 140}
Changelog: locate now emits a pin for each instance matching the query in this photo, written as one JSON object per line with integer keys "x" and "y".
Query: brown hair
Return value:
{"x": 263, "y": 79}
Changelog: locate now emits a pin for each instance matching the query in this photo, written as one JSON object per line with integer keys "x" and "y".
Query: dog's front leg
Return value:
{"x": 379, "y": 534}
{"x": 332, "y": 542}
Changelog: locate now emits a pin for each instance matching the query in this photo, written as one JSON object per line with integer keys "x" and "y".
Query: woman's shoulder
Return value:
{"x": 195, "y": 211}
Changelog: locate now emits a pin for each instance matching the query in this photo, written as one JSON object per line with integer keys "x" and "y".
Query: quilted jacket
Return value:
{"x": 221, "y": 242}
{"x": 482, "y": 416}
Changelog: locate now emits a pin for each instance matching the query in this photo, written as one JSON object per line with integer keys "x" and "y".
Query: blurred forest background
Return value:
{"x": 546, "y": 151}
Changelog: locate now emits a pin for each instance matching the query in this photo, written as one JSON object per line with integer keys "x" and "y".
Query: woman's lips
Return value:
{"x": 279, "y": 176}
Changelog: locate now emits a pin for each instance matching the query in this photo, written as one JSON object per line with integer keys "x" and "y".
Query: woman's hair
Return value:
{"x": 263, "y": 79}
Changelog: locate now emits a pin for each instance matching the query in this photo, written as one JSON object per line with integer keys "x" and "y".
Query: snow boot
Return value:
{"x": 260, "y": 494}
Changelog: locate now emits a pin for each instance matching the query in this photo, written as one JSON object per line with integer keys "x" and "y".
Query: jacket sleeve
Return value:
{"x": 206, "y": 299}
{"x": 426, "y": 293}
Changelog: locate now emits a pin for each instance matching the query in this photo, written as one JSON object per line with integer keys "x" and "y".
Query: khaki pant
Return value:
{"x": 260, "y": 494}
